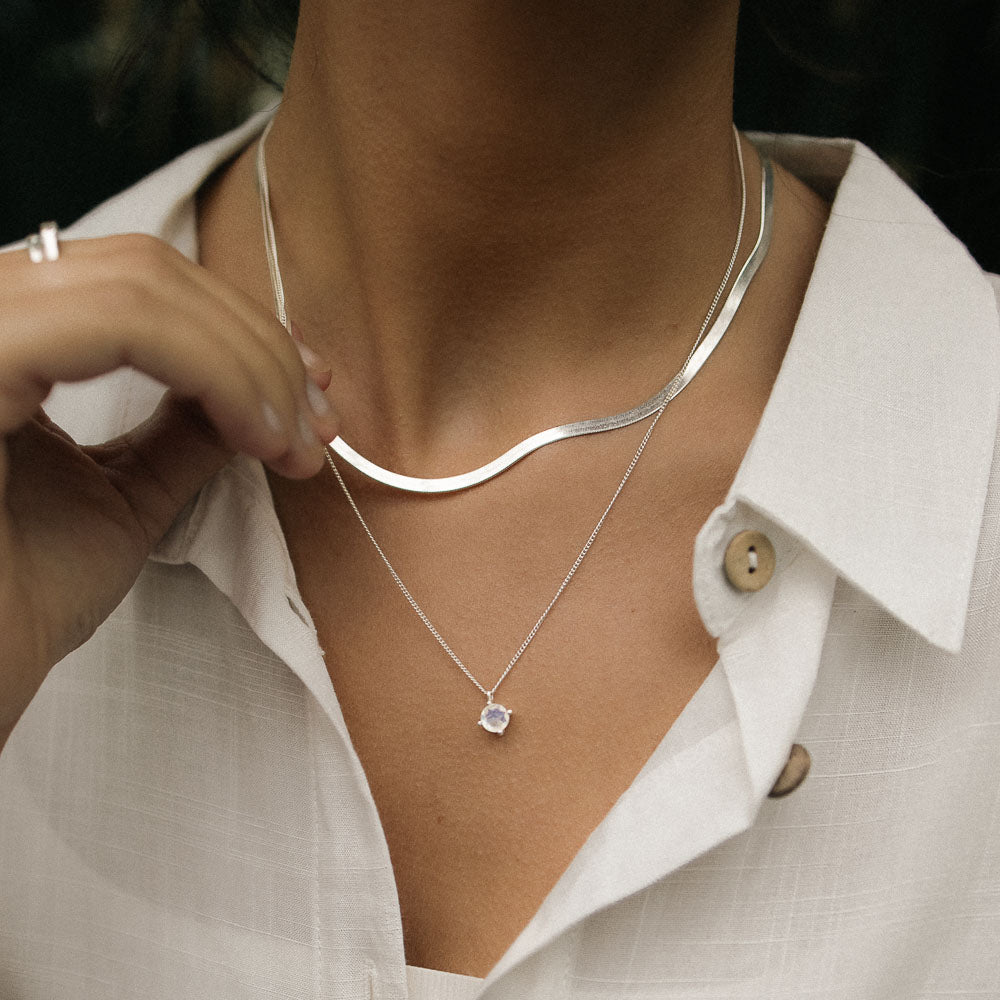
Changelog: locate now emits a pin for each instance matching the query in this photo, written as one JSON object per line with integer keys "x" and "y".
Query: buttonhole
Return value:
{"x": 752, "y": 556}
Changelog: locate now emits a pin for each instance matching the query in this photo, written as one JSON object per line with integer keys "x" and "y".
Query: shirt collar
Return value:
{"x": 870, "y": 462}
{"x": 874, "y": 448}
{"x": 876, "y": 443}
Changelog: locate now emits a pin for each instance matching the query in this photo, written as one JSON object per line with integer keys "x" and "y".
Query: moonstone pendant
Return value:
{"x": 494, "y": 718}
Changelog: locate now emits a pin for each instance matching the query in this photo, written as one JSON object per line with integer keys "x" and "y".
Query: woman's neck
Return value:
{"x": 494, "y": 208}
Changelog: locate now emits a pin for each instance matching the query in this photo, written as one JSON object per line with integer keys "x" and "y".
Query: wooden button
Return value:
{"x": 793, "y": 773}
{"x": 749, "y": 560}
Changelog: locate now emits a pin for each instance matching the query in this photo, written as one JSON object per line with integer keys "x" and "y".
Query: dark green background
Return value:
{"x": 83, "y": 111}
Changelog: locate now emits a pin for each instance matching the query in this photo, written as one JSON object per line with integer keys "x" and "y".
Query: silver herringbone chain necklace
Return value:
{"x": 495, "y": 717}
{"x": 595, "y": 425}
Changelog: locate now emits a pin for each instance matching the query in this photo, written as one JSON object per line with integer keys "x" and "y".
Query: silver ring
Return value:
{"x": 44, "y": 245}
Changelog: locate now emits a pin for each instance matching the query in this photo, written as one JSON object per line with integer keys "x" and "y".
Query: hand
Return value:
{"x": 77, "y": 523}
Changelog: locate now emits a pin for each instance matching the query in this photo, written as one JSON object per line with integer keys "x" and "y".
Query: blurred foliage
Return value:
{"x": 96, "y": 93}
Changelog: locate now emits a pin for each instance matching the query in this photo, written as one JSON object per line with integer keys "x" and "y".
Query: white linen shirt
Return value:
{"x": 183, "y": 815}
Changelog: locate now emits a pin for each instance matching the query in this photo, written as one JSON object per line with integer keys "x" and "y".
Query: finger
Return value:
{"x": 308, "y": 376}
{"x": 67, "y": 343}
{"x": 305, "y": 372}
{"x": 314, "y": 364}
{"x": 161, "y": 464}
{"x": 244, "y": 330}
{"x": 95, "y": 311}
{"x": 309, "y": 357}
{"x": 275, "y": 338}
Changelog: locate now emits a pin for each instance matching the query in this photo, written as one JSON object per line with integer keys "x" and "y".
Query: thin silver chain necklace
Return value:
{"x": 596, "y": 425}
{"x": 495, "y": 717}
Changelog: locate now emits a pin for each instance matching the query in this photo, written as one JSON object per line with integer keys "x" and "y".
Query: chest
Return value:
{"x": 481, "y": 826}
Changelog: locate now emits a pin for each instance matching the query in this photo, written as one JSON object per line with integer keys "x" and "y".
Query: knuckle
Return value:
{"x": 137, "y": 244}
{"x": 141, "y": 257}
{"x": 135, "y": 270}
{"x": 123, "y": 298}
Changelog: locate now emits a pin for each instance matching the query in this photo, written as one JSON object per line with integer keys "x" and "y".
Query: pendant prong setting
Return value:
{"x": 495, "y": 718}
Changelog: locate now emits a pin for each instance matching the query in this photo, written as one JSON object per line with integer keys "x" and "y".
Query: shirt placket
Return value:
{"x": 712, "y": 771}
{"x": 233, "y": 536}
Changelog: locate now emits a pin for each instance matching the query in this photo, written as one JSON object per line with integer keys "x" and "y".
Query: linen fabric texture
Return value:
{"x": 182, "y": 813}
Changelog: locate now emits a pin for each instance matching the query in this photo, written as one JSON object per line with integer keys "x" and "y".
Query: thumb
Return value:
{"x": 161, "y": 464}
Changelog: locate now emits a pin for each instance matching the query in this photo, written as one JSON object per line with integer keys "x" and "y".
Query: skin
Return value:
{"x": 492, "y": 217}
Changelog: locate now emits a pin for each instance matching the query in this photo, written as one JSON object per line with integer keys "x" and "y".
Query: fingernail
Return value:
{"x": 321, "y": 380}
{"x": 317, "y": 399}
{"x": 310, "y": 358}
{"x": 271, "y": 419}
{"x": 309, "y": 437}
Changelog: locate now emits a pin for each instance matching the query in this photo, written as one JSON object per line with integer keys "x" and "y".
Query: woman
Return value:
{"x": 260, "y": 775}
